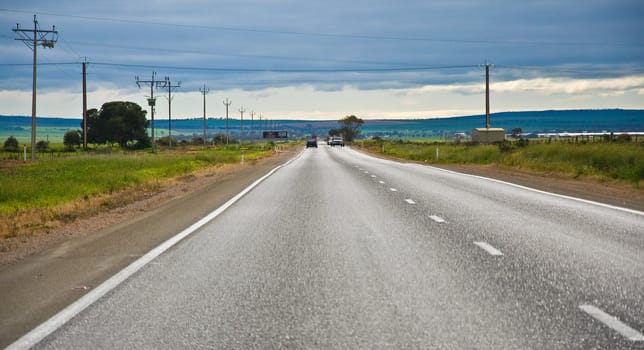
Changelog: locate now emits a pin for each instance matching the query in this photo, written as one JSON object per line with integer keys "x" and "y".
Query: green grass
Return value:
{"x": 619, "y": 161}
{"x": 616, "y": 160}
{"x": 52, "y": 181}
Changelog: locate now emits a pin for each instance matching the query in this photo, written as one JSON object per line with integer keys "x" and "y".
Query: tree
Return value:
{"x": 72, "y": 138}
{"x": 516, "y": 132}
{"x": 350, "y": 127}
{"x": 335, "y": 132}
{"x": 42, "y": 146}
{"x": 11, "y": 144}
{"x": 219, "y": 139}
{"x": 118, "y": 122}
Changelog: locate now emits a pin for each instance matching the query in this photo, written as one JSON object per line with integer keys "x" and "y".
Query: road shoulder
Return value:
{"x": 48, "y": 273}
{"x": 608, "y": 192}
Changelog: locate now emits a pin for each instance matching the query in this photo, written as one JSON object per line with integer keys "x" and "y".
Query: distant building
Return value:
{"x": 488, "y": 135}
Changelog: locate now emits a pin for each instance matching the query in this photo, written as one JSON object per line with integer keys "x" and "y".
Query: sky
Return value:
{"x": 323, "y": 60}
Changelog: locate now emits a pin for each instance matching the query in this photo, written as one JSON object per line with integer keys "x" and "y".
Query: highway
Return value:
{"x": 337, "y": 249}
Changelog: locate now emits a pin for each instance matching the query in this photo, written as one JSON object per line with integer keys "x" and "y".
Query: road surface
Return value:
{"x": 337, "y": 249}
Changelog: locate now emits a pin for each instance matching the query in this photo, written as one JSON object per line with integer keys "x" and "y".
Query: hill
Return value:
{"x": 610, "y": 120}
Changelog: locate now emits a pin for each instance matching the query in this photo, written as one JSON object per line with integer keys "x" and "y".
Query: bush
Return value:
{"x": 166, "y": 141}
{"x": 42, "y": 146}
{"x": 624, "y": 138}
{"x": 506, "y": 147}
{"x": 11, "y": 144}
{"x": 523, "y": 142}
{"x": 72, "y": 138}
{"x": 219, "y": 139}
{"x": 197, "y": 141}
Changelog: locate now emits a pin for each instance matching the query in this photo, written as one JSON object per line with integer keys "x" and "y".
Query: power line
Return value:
{"x": 286, "y": 70}
{"x": 590, "y": 70}
{"x": 340, "y": 35}
{"x": 256, "y": 70}
{"x": 199, "y": 52}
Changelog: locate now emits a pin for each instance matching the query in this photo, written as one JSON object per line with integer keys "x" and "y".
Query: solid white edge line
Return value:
{"x": 627, "y": 210}
{"x": 632, "y": 211}
{"x": 488, "y": 248}
{"x": 52, "y": 324}
{"x": 612, "y": 322}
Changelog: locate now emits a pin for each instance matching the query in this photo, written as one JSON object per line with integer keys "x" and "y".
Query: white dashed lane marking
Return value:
{"x": 393, "y": 189}
{"x": 437, "y": 218}
{"x": 381, "y": 182}
{"x": 373, "y": 176}
{"x": 612, "y": 322}
{"x": 488, "y": 248}
{"x": 410, "y": 201}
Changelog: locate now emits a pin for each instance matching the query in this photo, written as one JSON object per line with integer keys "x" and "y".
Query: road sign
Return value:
{"x": 275, "y": 134}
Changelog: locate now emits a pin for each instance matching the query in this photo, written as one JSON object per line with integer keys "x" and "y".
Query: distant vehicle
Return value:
{"x": 336, "y": 141}
{"x": 312, "y": 143}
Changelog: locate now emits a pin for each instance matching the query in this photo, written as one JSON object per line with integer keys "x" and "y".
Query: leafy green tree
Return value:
{"x": 11, "y": 144}
{"x": 72, "y": 138}
{"x": 118, "y": 122}
{"x": 350, "y": 127}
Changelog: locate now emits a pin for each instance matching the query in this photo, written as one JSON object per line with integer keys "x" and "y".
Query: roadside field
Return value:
{"x": 622, "y": 161}
{"x": 62, "y": 189}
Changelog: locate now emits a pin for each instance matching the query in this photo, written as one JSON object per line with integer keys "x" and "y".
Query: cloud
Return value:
{"x": 551, "y": 86}
{"x": 289, "y": 57}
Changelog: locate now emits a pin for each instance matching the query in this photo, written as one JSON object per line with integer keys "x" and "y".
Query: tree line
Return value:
{"x": 125, "y": 124}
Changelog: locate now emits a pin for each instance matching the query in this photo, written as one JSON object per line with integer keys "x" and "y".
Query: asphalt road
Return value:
{"x": 341, "y": 250}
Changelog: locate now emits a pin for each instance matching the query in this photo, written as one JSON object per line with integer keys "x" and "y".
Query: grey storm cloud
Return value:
{"x": 366, "y": 44}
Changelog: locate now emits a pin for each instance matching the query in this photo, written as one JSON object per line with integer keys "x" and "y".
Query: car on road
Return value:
{"x": 336, "y": 141}
{"x": 312, "y": 143}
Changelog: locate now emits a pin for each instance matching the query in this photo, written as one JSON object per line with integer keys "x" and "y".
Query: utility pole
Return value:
{"x": 46, "y": 38}
{"x": 204, "y": 92}
{"x": 487, "y": 95}
{"x": 85, "y": 104}
{"x": 227, "y": 103}
{"x": 151, "y": 101}
{"x": 252, "y": 121}
{"x": 168, "y": 84}
{"x": 241, "y": 123}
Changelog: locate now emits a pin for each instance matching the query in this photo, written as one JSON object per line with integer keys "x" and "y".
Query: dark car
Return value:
{"x": 311, "y": 143}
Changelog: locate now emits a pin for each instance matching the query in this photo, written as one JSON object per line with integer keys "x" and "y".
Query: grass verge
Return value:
{"x": 48, "y": 192}
{"x": 615, "y": 160}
